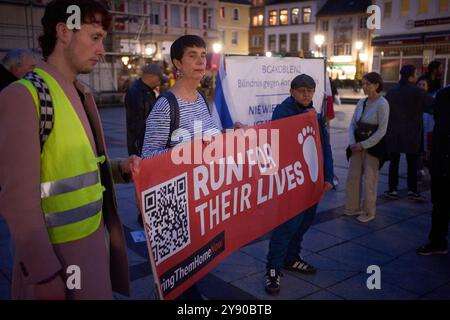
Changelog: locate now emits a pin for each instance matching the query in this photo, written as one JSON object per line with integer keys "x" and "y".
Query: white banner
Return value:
{"x": 253, "y": 86}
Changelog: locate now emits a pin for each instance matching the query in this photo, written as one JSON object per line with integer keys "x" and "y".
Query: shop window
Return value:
{"x": 390, "y": 69}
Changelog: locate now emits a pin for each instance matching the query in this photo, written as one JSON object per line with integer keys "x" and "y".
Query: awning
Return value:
{"x": 442, "y": 36}
{"x": 408, "y": 39}
{"x": 400, "y": 39}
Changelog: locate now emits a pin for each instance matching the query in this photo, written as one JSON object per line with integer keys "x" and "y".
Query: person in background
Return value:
{"x": 440, "y": 177}
{"x": 405, "y": 130}
{"x": 428, "y": 125}
{"x": 139, "y": 101}
{"x": 14, "y": 65}
{"x": 364, "y": 166}
{"x": 434, "y": 74}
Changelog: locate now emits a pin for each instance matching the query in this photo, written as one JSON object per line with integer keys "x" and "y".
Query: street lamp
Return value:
{"x": 125, "y": 60}
{"x": 217, "y": 47}
{"x": 358, "y": 72}
{"x": 268, "y": 54}
{"x": 319, "y": 40}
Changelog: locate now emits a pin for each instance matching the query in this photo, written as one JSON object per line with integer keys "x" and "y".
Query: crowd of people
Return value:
{"x": 53, "y": 151}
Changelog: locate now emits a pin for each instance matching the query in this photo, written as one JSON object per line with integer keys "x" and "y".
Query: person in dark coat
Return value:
{"x": 404, "y": 133}
{"x": 139, "y": 101}
{"x": 440, "y": 176}
{"x": 14, "y": 65}
{"x": 434, "y": 75}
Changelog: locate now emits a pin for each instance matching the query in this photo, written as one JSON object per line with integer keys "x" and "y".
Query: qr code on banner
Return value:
{"x": 166, "y": 213}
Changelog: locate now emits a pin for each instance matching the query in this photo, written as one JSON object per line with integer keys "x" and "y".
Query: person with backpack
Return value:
{"x": 183, "y": 107}
{"x": 57, "y": 182}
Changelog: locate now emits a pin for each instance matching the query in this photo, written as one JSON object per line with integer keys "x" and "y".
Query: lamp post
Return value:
{"x": 358, "y": 73}
{"x": 319, "y": 40}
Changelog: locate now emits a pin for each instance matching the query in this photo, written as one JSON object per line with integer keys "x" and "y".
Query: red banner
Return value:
{"x": 201, "y": 202}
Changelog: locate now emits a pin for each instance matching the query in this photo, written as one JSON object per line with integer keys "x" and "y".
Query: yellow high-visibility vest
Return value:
{"x": 71, "y": 189}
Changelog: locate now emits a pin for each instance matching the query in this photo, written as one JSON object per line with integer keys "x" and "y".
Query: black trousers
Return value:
{"x": 439, "y": 224}
{"x": 411, "y": 160}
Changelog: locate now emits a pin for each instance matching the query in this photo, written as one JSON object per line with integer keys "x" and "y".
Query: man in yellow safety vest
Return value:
{"x": 57, "y": 183}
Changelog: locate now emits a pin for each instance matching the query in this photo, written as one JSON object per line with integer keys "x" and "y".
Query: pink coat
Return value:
{"x": 101, "y": 256}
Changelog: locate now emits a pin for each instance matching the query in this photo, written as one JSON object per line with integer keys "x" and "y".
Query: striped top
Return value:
{"x": 158, "y": 124}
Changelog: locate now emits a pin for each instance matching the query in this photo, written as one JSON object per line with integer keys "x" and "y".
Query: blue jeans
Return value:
{"x": 285, "y": 242}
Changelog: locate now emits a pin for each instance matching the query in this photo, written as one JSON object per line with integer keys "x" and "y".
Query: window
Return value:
{"x": 305, "y": 41}
{"x": 273, "y": 18}
{"x": 325, "y": 25}
{"x": 234, "y": 38}
{"x": 390, "y": 69}
{"x": 175, "y": 17}
{"x": 283, "y": 43}
{"x": 154, "y": 13}
{"x": 194, "y": 18}
{"x": 255, "y": 21}
{"x": 295, "y": 16}
{"x": 293, "y": 45}
{"x": 272, "y": 43}
{"x": 133, "y": 6}
{"x": 223, "y": 33}
{"x": 388, "y": 9}
{"x": 258, "y": 20}
{"x": 306, "y": 15}
{"x": 443, "y": 5}
{"x": 256, "y": 41}
{"x": 338, "y": 50}
{"x": 235, "y": 14}
{"x": 283, "y": 17}
{"x": 222, "y": 12}
{"x": 423, "y": 6}
{"x": 210, "y": 19}
{"x": 348, "y": 49}
{"x": 404, "y": 11}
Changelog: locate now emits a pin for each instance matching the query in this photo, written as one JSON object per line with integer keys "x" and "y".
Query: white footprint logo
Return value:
{"x": 306, "y": 138}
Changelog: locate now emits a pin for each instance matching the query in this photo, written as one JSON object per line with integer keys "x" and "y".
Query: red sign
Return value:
{"x": 203, "y": 202}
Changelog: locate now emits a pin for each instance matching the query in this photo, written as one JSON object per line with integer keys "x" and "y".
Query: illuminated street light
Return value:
{"x": 359, "y": 45}
{"x": 217, "y": 47}
{"x": 319, "y": 40}
{"x": 268, "y": 54}
{"x": 125, "y": 60}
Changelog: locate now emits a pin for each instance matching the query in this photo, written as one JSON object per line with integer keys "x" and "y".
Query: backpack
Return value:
{"x": 46, "y": 119}
{"x": 175, "y": 112}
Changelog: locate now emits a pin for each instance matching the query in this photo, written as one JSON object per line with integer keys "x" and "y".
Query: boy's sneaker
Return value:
{"x": 301, "y": 266}
{"x": 391, "y": 194}
{"x": 415, "y": 196}
{"x": 429, "y": 249}
{"x": 273, "y": 282}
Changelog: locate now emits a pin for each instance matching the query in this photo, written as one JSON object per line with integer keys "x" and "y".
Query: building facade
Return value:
{"x": 257, "y": 28}
{"x": 290, "y": 27}
{"x": 142, "y": 31}
{"x": 233, "y": 26}
{"x": 347, "y": 41}
{"x": 412, "y": 32}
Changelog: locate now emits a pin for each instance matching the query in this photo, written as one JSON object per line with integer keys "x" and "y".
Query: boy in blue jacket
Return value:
{"x": 285, "y": 242}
